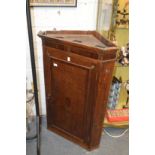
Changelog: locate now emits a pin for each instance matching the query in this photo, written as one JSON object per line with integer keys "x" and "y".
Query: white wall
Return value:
{"x": 82, "y": 17}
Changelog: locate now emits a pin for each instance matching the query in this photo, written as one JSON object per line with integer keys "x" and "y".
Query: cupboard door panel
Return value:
{"x": 69, "y": 98}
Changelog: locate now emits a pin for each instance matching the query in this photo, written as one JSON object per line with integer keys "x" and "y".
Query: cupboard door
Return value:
{"x": 72, "y": 86}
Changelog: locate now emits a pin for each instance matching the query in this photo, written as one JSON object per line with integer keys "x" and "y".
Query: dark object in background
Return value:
{"x": 124, "y": 55}
{"x": 126, "y": 85}
{"x": 32, "y": 56}
{"x": 78, "y": 68}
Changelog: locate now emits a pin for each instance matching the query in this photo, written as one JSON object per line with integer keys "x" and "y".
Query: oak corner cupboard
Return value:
{"x": 78, "y": 68}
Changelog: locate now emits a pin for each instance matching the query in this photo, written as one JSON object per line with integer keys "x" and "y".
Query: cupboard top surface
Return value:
{"x": 87, "y": 38}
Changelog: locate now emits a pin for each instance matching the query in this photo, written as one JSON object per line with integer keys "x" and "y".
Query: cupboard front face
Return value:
{"x": 70, "y": 82}
{"x": 77, "y": 82}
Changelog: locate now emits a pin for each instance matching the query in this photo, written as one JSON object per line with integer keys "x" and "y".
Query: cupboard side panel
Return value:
{"x": 105, "y": 78}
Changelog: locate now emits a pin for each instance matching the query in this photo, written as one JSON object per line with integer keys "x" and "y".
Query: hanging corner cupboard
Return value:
{"x": 78, "y": 67}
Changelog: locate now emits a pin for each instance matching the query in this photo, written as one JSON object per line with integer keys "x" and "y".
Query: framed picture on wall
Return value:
{"x": 71, "y": 3}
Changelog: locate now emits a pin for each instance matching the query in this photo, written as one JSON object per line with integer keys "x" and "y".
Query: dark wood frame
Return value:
{"x": 52, "y": 5}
